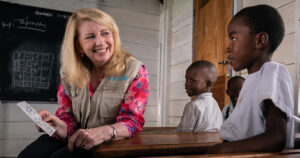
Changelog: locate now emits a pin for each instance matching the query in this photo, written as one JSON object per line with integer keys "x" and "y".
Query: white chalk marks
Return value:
{"x": 32, "y": 69}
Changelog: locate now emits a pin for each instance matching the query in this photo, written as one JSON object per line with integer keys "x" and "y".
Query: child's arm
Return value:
{"x": 189, "y": 118}
{"x": 272, "y": 140}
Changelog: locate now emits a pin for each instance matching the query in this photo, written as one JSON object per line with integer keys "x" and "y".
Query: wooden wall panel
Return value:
{"x": 219, "y": 91}
{"x": 64, "y": 5}
{"x": 143, "y": 6}
{"x": 210, "y": 36}
{"x": 132, "y": 18}
{"x": 177, "y": 54}
{"x": 274, "y": 3}
{"x": 211, "y": 39}
{"x": 181, "y": 39}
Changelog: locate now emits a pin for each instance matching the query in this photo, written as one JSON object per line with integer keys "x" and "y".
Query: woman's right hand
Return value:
{"x": 59, "y": 125}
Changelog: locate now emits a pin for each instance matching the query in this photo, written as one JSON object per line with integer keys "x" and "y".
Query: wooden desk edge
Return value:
{"x": 288, "y": 153}
{"x": 149, "y": 150}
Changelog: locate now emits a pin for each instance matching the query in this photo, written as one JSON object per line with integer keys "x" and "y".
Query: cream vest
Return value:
{"x": 104, "y": 106}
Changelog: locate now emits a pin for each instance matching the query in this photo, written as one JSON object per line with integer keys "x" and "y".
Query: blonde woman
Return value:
{"x": 102, "y": 94}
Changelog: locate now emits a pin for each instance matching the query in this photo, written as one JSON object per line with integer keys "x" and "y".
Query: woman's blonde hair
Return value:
{"x": 76, "y": 69}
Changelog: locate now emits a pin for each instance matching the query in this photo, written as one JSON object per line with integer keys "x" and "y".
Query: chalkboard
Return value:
{"x": 30, "y": 42}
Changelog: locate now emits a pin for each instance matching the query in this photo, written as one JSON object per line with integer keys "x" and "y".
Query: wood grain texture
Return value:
{"x": 163, "y": 141}
{"x": 283, "y": 154}
{"x": 211, "y": 40}
{"x": 219, "y": 91}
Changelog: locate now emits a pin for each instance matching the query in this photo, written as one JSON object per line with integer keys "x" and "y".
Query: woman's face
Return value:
{"x": 96, "y": 42}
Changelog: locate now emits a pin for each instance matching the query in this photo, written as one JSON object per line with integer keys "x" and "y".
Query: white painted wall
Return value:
{"x": 139, "y": 24}
{"x": 180, "y": 53}
{"x": 297, "y": 57}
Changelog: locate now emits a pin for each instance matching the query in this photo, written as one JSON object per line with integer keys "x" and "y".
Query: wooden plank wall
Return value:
{"x": 138, "y": 21}
{"x": 297, "y": 58}
{"x": 180, "y": 58}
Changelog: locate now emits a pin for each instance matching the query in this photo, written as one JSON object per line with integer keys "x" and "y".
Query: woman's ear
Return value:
{"x": 262, "y": 40}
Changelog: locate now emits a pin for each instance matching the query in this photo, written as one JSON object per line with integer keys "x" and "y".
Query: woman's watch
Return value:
{"x": 115, "y": 133}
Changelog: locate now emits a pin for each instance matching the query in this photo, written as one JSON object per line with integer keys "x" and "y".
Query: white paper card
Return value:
{"x": 36, "y": 118}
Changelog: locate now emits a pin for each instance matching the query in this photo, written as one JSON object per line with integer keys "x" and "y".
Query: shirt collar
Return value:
{"x": 203, "y": 95}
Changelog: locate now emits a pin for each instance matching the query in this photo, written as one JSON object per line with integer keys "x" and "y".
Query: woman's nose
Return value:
{"x": 99, "y": 40}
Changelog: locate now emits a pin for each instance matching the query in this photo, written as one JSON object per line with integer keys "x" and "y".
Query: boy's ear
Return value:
{"x": 209, "y": 84}
{"x": 262, "y": 40}
{"x": 227, "y": 92}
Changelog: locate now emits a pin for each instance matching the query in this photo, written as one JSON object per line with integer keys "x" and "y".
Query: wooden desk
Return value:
{"x": 159, "y": 141}
{"x": 284, "y": 154}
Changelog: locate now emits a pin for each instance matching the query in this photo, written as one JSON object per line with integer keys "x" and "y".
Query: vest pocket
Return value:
{"x": 111, "y": 99}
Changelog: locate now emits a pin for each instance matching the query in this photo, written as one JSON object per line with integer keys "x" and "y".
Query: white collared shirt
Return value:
{"x": 201, "y": 115}
{"x": 273, "y": 82}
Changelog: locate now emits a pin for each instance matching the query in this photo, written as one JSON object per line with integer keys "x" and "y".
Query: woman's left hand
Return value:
{"x": 88, "y": 138}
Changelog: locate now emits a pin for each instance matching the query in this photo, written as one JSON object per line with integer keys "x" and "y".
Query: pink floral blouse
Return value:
{"x": 132, "y": 106}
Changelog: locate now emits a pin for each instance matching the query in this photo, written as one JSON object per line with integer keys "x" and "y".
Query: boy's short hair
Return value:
{"x": 233, "y": 79}
{"x": 264, "y": 18}
{"x": 213, "y": 73}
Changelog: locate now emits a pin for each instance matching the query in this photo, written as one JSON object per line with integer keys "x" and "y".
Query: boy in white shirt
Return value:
{"x": 202, "y": 114}
{"x": 262, "y": 120}
{"x": 234, "y": 86}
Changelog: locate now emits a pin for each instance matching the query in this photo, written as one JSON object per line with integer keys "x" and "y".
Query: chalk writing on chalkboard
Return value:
{"x": 30, "y": 46}
{"x": 32, "y": 69}
{"x": 24, "y": 23}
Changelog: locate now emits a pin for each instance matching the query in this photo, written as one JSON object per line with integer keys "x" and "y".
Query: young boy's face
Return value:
{"x": 195, "y": 82}
{"x": 234, "y": 89}
{"x": 242, "y": 46}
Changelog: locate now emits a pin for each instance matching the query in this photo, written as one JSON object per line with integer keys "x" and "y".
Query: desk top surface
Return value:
{"x": 295, "y": 153}
{"x": 159, "y": 141}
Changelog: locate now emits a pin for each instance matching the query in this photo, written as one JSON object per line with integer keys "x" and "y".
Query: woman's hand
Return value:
{"x": 88, "y": 138}
{"x": 55, "y": 122}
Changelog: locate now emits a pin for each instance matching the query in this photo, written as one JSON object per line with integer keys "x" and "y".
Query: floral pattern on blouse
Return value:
{"x": 132, "y": 107}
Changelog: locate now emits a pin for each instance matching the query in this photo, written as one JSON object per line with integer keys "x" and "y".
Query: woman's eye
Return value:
{"x": 90, "y": 36}
{"x": 104, "y": 33}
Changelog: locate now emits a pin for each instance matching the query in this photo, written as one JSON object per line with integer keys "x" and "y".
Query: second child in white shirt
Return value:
{"x": 202, "y": 114}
